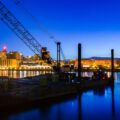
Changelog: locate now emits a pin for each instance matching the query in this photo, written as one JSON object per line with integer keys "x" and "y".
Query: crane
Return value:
{"x": 18, "y": 3}
{"x": 16, "y": 26}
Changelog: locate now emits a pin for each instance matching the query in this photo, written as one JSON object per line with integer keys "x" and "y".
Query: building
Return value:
{"x": 33, "y": 58}
{"x": 94, "y": 63}
{"x": 15, "y": 55}
{"x": 3, "y": 55}
{"x": 35, "y": 64}
{"x": 9, "y": 64}
{"x": 45, "y": 55}
{"x": 10, "y": 60}
{"x": 15, "y": 60}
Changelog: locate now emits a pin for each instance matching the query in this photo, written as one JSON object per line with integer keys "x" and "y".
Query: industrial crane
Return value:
{"x": 16, "y": 26}
{"x": 18, "y": 3}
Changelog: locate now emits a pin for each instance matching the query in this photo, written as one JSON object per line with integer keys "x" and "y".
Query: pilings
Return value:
{"x": 79, "y": 62}
{"x": 112, "y": 64}
{"x": 58, "y": 56}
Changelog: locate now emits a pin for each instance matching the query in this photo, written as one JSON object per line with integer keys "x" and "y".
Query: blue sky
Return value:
{"x": 94, "y": 23}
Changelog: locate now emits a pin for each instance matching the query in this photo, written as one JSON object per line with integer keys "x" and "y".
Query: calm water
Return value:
{"x": 99, "y": 104}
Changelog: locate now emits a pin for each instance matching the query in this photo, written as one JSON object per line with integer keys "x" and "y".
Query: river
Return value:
{"x": 23, "y": 74}
{"x": 96, "y": 104}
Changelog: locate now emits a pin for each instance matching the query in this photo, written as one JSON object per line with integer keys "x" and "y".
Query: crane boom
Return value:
{"x": 18, "y": 3}
{"x": 11, "y": 21}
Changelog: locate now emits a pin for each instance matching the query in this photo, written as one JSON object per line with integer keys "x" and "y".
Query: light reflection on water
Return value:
{"x": 98, "y": 104}
{"x": 22, "y": 74}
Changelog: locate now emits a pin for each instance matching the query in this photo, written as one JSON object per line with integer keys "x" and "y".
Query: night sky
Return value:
{"x": 94, "y": 23}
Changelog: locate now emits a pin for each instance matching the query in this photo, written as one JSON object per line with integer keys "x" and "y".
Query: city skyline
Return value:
{"x": 94, "y": 25}
{"x": 55, "y": 55}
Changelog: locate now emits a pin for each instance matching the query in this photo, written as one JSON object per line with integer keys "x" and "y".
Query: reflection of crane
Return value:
{"x": 18, "y": 3}
{"x": 11, "y": 21}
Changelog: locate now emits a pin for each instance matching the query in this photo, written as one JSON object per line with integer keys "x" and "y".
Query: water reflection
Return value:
{"x": 80, "y": 106}
{"x": 100, "y": 91}
{"x": 21, "y": 74}
{"x": 97, "y": 104}
{"x": 113, "y": 102}
{"x": 90, "y": 74}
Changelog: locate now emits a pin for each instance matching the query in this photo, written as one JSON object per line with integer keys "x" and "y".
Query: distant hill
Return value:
{"x": 103, "y": 58}
{"x": 94, "y": 58}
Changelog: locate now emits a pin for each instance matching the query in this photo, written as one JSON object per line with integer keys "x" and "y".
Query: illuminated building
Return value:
{"x": 45, "y": 54}
{"x": 9, "y": 64}
{"x": 15, "y": 60}
{"x": 15, "y": 55}
{"x": 35, "y": 64}
{"x": 35, "y": 67}
{"x": 31, "y": 58}
{"x": 3, "y": 55}
{"x": 92, "y": 63}
{"x": 10, "y": 60}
